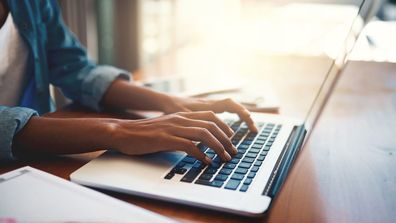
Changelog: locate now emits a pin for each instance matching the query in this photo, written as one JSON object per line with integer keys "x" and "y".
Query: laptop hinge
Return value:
{"x": 285, "y": 160}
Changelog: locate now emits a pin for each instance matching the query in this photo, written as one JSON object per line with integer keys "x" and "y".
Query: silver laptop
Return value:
{"x": 245, "y": 185}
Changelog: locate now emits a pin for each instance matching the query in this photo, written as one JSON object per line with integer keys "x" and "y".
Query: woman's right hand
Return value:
{"x": 176, "y": 131}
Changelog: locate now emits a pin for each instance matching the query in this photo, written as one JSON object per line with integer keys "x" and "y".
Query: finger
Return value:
{"x": 209, "y": 116}
{"x": 214, "y": 130}
{"x": 202, "y": 135}
{"x": 229, "y": 105}
{"x": 191, "y": 149}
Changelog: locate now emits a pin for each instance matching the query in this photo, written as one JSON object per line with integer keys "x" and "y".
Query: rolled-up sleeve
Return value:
{"x": 96, "y": 83}
{"x": 12, "y": 120}
{"x": 69, "y": 66}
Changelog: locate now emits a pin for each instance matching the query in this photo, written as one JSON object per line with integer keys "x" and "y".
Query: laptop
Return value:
{"x": 245, "y": 185}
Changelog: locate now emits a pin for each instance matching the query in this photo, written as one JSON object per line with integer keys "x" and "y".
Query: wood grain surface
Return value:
{"x": 345, "y": 173}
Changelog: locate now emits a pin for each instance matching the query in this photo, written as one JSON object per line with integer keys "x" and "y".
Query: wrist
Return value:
{"x": 107, "y": 132}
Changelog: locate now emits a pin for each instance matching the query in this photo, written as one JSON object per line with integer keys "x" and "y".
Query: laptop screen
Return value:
{"x": 339, "y": 55}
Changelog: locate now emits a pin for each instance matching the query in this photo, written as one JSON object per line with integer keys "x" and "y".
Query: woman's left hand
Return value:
{"x": 180, "y": 104}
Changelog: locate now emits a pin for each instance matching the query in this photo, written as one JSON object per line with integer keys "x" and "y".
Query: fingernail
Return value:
{"x": 228, "y": 157}
{"x": 234, "y": 149}
{"x": 208, "y": 160}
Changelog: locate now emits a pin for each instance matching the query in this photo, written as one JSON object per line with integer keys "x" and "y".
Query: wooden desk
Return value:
{"x": 345, "y": 173}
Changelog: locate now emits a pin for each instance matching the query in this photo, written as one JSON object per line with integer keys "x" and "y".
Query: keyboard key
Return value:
{"x": 199, "y": 165}
{"x": 221, "y": 177}
{"x": 255, "y": 168}
{"x": 266, "y": 148}
{"x": 235, "y": 141}
{"x": 256, "y": 146}
{"x": 248, "y": 160}
{"x": 258, "y": 163}
{"x": 234, "y": 161}
{"x": 246, "y": 142}
{"x": 189, "y": 159}
{"x": 237, "y": 176}
{"x": 209, "y": 183}
{"x": 251, "y": 155}
{"x": 264, "y": 153}
{"x": 269, "y": 144}
{"x": 181, "y": 164}
{"x": 241, "y": 170}
{"x": 215, "y": 165}
{"x": 235, "y": 126}
{"x": 229, "y": 165}
{"x": 262, "y": 138}
{"x": 232, "y": 184}
{"x": 245, "y": 165}
{"x": 251, "y": 175}
{"x": 202, "y": 147}
{"x": 261, "y": 158}
{"x": 191, "y": 175}
{"x": 248, "y": 181}
{"x": 205, "y": 176}
{"x": 210, "y": 170}
{"x": 243, "y": 146}
{"x": 244, "y": 188}
{"x": 264, "y": 134}
{"x": 226, "y": 171}
{"x": 260, "y": 124}
{"x": 253, "y": 150}
{"x": 179, "y": 170}
{"x": 252, "y": 134}
{"x": 239, "y": 155}
{"x": 169, "y": 175}
{"x": 216, "y": 183}
{"x": 210, "y": 155}
{"x": 260, "y": 142}
{"x": 210, "y": 152}
{"x": 242, "y": 151}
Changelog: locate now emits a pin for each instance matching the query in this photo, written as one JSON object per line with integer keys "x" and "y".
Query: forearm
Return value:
{"x": 124, "y": 95}
{"x": 62, "y": 136}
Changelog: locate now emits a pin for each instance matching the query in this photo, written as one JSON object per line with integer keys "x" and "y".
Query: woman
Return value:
{"x": 37, "y": 49}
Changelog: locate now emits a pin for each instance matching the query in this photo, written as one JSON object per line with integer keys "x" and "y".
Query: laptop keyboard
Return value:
{"x": 239, "y": 172}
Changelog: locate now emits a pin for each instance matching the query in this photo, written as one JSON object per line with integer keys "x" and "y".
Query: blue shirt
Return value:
{"x": 55, "y": 57}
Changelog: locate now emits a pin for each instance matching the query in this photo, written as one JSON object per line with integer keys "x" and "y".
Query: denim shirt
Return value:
{"x": 55, "y": 57}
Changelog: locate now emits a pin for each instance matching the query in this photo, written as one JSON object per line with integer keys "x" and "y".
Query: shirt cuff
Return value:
{"x": 97, "y": 82}
{"x": 12, "y": 120}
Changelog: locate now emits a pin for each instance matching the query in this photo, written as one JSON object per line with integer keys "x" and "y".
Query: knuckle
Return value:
{"x": 175, "y": 118}
{"x": 204, "y": 133}
{"x": 189, "y": 146}
{"x": 228, "y": 100}
{"x": 211, "y": 114}
{"x": 211, "y": 125}
{"x": 180, "y": 113}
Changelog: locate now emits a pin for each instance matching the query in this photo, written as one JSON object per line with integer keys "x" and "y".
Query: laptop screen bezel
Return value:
{"x": 334, "y": 71}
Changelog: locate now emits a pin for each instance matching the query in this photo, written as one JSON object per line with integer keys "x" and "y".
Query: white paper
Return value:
{"x": 30, "y": 195}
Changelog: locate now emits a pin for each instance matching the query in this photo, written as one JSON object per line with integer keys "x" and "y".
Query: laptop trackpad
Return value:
{"x": 115, "y": 169}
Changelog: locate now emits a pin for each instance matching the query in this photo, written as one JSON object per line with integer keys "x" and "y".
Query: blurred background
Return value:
{"x": 134, "y": 33}
{"x": 195, "y": 47}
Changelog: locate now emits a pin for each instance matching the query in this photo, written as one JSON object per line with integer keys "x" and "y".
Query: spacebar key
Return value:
{"x": 191, "y": 175}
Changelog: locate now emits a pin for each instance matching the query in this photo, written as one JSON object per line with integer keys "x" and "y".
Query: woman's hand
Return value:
{"x": 178, "y": 104}
{"x": 174, "y": 132}
{"x": 124, "y": 95}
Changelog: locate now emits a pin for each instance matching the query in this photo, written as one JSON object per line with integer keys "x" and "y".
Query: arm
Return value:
{"x": 166, "y": 133}
{"x": 12, "y": 120}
